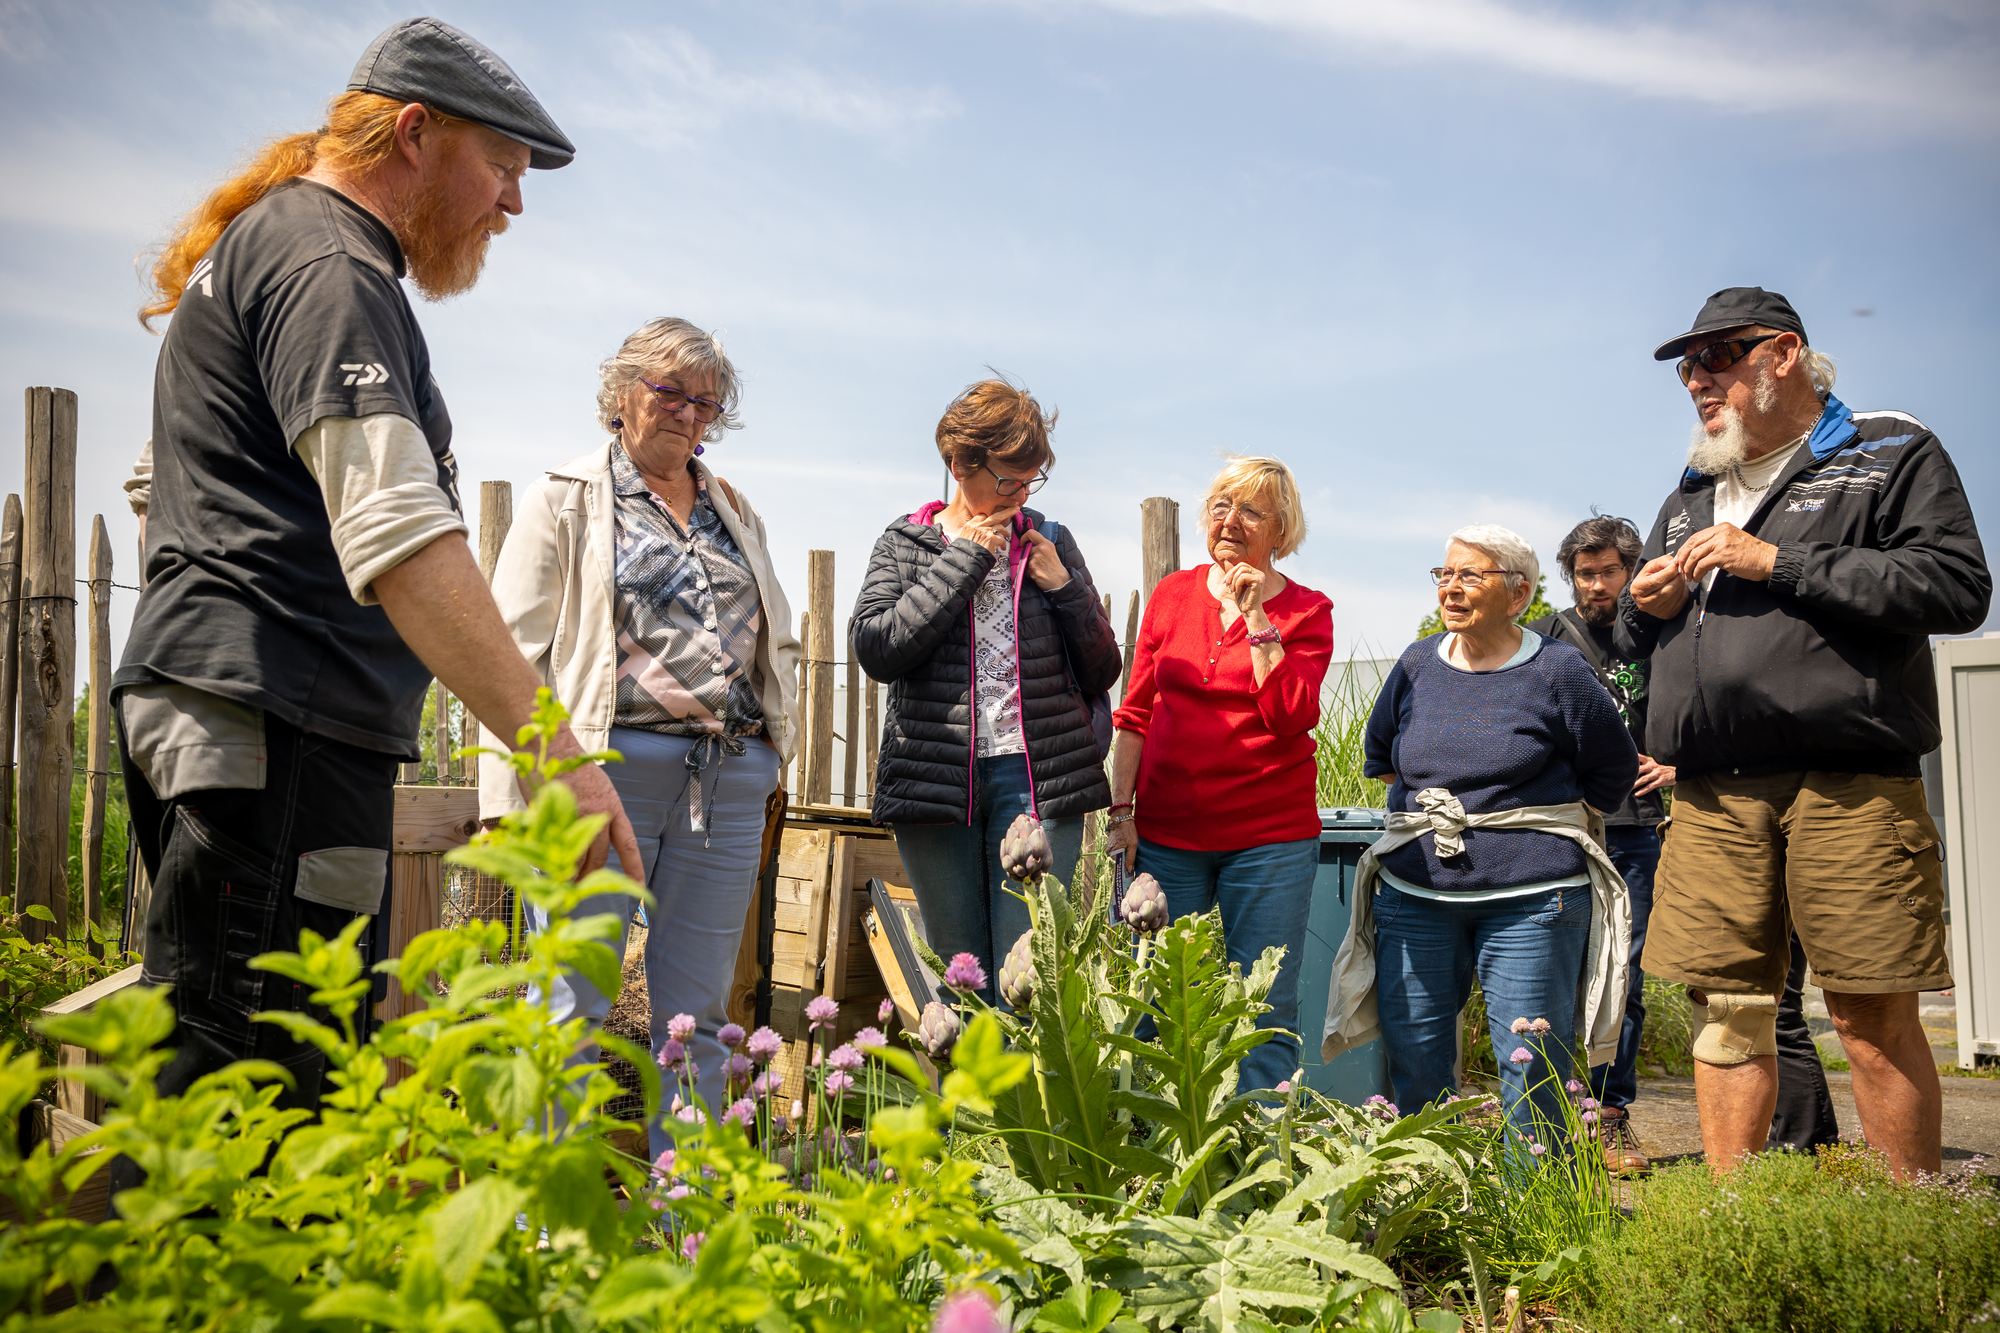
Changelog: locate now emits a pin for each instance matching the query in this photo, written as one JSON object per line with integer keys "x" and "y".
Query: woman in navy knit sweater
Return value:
{"x": 1503, "y": 719}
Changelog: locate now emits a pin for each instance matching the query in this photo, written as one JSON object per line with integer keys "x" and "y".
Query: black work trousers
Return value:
{"x": 1804, "y": 1119}
{"x": 224, "y": 864}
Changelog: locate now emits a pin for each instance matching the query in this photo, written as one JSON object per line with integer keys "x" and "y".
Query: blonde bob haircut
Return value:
{"x": 1266, "y": 484}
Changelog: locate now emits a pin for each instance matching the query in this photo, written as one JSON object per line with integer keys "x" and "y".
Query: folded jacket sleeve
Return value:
{"x": 139, "y": 486}
{"x": 1634, "y": 632}
{"x": 897, "y": 626}
{"x": 380, "y": 482}
{"x": 1928, "y": 572}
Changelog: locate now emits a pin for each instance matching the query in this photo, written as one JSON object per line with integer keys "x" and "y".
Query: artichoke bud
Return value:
{"x": 1025, "y": 853}
{"x": 1144, "y": 906}
{"x": 1017, "y": 972}
{"x": 937, "y": 1030}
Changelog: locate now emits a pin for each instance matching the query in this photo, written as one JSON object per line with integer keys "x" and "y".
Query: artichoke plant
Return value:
{"x": 1025, "y": 853}
{"x": 1017, "y": 972}
{"x": 1144, "y": 906}
{"x": 937, "y": 1030}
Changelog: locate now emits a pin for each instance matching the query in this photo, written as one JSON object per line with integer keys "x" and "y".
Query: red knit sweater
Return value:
{"x": 1227, "y": 764}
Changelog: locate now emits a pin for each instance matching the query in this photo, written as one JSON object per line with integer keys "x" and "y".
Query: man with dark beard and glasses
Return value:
{"x": 1596, "y": 559}
{"x": 306, "y": 565}
{"x": 1789, "y": 590}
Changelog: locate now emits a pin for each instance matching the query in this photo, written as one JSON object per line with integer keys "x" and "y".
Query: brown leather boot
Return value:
{"x": 1622, "y": 1154}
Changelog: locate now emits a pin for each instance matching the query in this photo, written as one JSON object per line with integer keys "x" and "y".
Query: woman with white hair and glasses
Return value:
{"x": 639, "y": 584}
{"x": 1493, "y": 741}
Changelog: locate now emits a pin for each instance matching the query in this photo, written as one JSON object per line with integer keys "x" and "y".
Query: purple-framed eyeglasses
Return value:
{"x": 672, "y": 399}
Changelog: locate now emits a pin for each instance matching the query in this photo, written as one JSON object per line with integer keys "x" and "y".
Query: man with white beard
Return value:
{"x": 1786, "y": 598}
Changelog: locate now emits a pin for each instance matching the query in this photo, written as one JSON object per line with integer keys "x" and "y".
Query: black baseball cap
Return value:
{"x": 426, "y": 60}
{"x": 1734, "y": 308}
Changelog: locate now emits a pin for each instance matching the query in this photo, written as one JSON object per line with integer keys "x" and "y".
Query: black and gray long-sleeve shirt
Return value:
{"x": 1826, "y": 665}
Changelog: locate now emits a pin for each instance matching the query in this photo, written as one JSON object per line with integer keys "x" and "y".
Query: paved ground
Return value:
{"x": 1664, "y": 1115}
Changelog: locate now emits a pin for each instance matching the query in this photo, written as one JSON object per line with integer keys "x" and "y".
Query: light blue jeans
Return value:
{"x": 1265, "y": 896}
{"x": 1528, "y": 955}
{"x": 701, "y": 885}
{"x": 955, "y": 872}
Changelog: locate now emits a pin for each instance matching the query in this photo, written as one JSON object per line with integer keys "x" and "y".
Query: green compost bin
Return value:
{"x": 1363, "y": 1072}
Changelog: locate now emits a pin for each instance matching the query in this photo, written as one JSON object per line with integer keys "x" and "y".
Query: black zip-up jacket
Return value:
{"x": 912, "y": 627}
{"x": 1826, "y": 665}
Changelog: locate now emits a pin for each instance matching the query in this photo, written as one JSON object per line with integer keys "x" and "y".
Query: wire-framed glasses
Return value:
{"x": 672, "y": 400}
{"x": 1470, "y": 578}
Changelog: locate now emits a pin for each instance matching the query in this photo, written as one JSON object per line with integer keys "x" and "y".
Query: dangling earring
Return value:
{"x": 698, "y": 450}
{"x": 617, "y": 423}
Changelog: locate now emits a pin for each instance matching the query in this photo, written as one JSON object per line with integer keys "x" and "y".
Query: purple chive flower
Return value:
{"x": 671, "y": 1054}
{"x": 692, "y": 1245}
{"x": 1518, "y": 1027}
{"x": 680, "y": 1027}
{"x": 1573, "y": 1087}
{"x": 821, "y": 1012}
{"x": 731, "y": 1035}
{"x": 740, "y": 1066}
{"x": 965, "y": 973}
{"x": 1284, "y": 1085}
{"x": 869, "y": 1038}
{"x": 968, "y": 1312}
{"x": 845, "y": 1058}
{"x": 767, "y": 1084}
{"x": 817, "y": 1056}
{"x": 1590, "y": 1103}
{"x": 1541, "y": 1027}
{"x": 667, "y": 1165}
{"x": 743, "y": 1111}
{"x": 1537, "y": 1149}
{"x": 765, "y": 1044}
{"x": 1521, "y": 1056}
{"x": 838, "y": 1082}
{"x": 885, "y": 1011}
{"x": 1588, "y": 1117}
{"x": 679, "y": 1192}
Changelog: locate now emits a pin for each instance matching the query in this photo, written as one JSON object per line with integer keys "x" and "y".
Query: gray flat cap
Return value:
{"x": 425, "y": 60}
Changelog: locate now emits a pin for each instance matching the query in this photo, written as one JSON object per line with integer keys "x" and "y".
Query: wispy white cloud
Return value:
{"x": 682, "y": 86}
{"x": 1931, "y": 68}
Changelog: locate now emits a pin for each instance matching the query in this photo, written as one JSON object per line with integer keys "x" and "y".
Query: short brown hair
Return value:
{"x": 993, "y": 420}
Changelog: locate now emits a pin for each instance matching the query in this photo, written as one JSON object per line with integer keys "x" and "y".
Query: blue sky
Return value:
{"x": 1419, "y": 250}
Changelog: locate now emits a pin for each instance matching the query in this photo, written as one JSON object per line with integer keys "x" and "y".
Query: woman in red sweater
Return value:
{"x": 1213, "y": 778}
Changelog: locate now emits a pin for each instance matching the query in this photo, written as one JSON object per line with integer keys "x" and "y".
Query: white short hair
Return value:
{"x": 1510, "y": 550}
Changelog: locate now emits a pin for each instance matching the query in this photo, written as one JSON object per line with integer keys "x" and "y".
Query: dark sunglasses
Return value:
{"x": 1720, "y": 356}
{"x": 672, "y": 400}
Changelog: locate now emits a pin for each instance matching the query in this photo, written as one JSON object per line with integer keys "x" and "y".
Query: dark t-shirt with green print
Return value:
{"x": 1625, "y": 680}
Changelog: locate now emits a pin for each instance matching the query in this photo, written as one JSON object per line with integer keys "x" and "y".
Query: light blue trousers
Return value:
{"x": 701, "y": 885}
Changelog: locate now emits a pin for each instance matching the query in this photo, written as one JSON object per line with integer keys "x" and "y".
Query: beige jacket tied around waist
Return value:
{"x": 554, "y": 586}
{"x": 1351, "y": 1016}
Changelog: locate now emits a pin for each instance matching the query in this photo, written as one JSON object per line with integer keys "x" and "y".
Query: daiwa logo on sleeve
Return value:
{"x": 364, "y": 373}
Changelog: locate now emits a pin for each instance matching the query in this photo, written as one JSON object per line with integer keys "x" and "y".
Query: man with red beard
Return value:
{"x": 1789, "y": 590}
{"x": 306, "y": 564}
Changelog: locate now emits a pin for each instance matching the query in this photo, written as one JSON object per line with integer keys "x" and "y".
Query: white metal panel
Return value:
{"x": 1969, "y": 695}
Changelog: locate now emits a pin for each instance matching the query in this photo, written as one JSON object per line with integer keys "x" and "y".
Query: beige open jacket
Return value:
{"x": 1351, "y": 1015}
{"x": 554, "y": 586}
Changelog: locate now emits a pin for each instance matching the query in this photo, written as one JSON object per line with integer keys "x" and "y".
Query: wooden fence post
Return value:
{"x": 795, "y": 774}
{"x": 872, "y": 735}
{"x": 818, "y": 783}
{"x": 850, "y": 750}
{"x": 496, "y": 516}
{"x": 48, "y": 657}
{"x": 97, "y": 785}
{"x": 1131, "y": 643}
{"x": 1159, "y": 541}
{"x": 441, "y": 733}
{"x": 10, "y": 680}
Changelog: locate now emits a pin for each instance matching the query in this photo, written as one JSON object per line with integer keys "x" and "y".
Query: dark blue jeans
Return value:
{"x": 1528, "y": 955}
{"x": 1635, "y": 850}
{"x": 1265, "y": 896}
{"x": 955, "y": 869}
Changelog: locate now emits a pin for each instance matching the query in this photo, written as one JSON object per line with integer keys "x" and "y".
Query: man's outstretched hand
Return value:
{"x": 1659, "y": 590}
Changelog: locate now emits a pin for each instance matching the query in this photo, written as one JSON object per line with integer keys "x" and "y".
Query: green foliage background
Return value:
{"x": 1538, "y": 606}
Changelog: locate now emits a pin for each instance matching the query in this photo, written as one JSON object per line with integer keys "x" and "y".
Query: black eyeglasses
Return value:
{"x": 672, "y": 400}
{"x": 1015, "y": 485}
{"x": 1720, "y": 356}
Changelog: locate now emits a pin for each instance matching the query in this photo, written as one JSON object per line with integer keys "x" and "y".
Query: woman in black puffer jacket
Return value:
{"x": 993, "y": 642}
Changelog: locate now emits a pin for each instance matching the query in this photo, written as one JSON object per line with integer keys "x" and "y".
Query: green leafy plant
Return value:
{"x": 35, "y": 974}
{"x": 1345, "y": 704}
{"x": 1538, "y": 606}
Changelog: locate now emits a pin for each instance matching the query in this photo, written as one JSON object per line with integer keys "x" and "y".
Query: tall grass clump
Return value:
{"x": 1345, "y": 702}
{"x": 1788, "y": 1246}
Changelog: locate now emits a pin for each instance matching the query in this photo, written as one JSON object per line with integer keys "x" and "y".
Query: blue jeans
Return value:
{"x": 1528, "y": 955}
{"x": 1635, "y": 850}
{"x": 1265, "y": 896}
{"x": 955, "y": 872}
{"x": 701, "y": 883}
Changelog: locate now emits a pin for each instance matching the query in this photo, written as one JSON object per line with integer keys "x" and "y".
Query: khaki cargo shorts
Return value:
{"x": 1848, "y": 860}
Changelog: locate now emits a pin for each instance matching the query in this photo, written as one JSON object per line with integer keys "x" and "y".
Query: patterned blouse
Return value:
{"x": 996, "y": 676}
{"x": 688, "y": 616}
